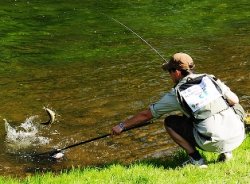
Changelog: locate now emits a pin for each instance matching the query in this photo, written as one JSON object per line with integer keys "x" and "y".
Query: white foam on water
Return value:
{"x": 24, "y": 136}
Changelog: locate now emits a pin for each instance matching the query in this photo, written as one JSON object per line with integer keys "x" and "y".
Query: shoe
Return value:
{"x": 224, "y": 157}
{"x": 200, "y": 163}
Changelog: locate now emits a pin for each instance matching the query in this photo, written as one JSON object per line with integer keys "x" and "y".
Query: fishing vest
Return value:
{"x": 200, "y": 97}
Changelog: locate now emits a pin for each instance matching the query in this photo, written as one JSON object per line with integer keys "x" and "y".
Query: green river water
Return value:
{"x": 72, "y": 57}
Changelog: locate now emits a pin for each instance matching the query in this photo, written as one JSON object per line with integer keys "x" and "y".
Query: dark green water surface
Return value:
{"x": 71, "y": 57}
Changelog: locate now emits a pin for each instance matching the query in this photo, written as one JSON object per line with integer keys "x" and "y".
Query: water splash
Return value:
{"x": 24, "y": 136}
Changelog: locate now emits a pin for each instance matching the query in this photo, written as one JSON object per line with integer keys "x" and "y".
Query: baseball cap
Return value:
{"x": 179, "y": 61}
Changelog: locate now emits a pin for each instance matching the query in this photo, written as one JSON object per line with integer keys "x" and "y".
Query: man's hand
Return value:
{"x": 116, "y": 130}
{"x": 142, "y": 116}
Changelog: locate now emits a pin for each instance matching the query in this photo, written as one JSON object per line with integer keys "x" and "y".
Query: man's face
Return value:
{"x": 175, "y": 75}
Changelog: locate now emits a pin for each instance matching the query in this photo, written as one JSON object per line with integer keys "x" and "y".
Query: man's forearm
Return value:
{"x": 137, "y": 119}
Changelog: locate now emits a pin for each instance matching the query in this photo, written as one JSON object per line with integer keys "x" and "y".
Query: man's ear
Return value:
{"x": 177, "y": 73}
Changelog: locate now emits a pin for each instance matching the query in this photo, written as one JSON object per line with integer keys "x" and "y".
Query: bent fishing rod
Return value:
{"x": 117, "y": 21}
{"x": 58, "y": 153}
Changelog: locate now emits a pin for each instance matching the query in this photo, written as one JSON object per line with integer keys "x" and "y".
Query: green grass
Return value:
{"x": 154, "y": 171}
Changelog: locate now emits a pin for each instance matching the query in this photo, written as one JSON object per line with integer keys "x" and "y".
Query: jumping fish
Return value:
{"x": 52, "y": 116}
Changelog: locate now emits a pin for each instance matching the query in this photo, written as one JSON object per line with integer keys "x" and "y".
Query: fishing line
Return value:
{"x": 117, "y": 21}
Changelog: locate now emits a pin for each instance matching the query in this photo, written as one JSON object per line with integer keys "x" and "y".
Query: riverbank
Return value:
{"x": 154, "y": 171}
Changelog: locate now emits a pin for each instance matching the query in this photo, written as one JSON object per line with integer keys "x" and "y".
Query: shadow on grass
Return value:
{"x": 169, "y": 162}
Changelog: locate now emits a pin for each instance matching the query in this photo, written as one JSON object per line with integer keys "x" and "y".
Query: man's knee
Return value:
{"x": 170, "y": 121}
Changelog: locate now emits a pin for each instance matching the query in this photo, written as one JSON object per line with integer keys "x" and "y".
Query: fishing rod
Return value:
{"x": 117, "y": 21}
{"x": 58, "y": 153}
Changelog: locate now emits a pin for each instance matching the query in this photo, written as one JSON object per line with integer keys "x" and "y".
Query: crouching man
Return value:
{"x": 212, "y": 118}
